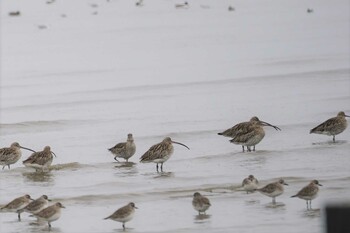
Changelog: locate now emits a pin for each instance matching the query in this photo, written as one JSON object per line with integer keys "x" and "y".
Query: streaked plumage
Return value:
{"x": 40, "y": 160}
{"x": 309, "y": 192}
{"x": 36, "y": 206}
{"x": 332, "y": 126}
{"x": 250, "y": 184}
{"x": 273, "y": 190}
{"x": 247, "y": 133}
{"x": 50, "y": 214}
{"x": 10, "y": 155}
{"x": 160, "y": 152}
{"x": 17, "y": 204}
{"x": 124, "y": 149}
{"x": 200, "y": 203}
{"x": 123, "y": 214}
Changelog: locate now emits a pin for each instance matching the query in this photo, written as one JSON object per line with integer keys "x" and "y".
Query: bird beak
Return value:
{"x": 135, "y": 207}
{"x": 27, "y": 149}
{"x": 267, "y": 124}
{"x": 54, "y": 154}
{"x": 285, "y": 183}
{"x": 347, "y": 116}
{"x": 319, "y": 184}
{"x": 180, "y": 144}
{"x": 63, "y": 206}
{"x": 31, "y": 199}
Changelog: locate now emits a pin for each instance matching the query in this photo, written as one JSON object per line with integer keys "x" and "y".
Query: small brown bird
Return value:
{"x": 273, "y": 190}
{"x": 40, "y": 160}
{"x": 17, "y": 204}
{"x": 309, "y": 192}
{"x": 200, "y": 203}
{"x": 50, "y": 214}
{"x": 250, "y": 184}
{"x": 123, "y": 214}
{"x": 247, "y": 133}
{"x": 36, "y": 206}
{"x": 124, "y": 149}
{"x": 332, "y": 126}
{"x": 160, "y": 152}
{"x": 10, "y": 155}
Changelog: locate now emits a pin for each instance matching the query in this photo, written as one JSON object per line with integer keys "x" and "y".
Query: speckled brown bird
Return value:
{"x": 123, "y": 214}
{"x": 17, "y": 204}
{"x": 40, "y": 160}
{"x": 273, "y": 189}
{"x": 332, "y": 126}
{"x": 10, "y": 155}
{"x": 309, "y": 192}
{"x": 124, "y": 149}
{"x": 200, "y": 203}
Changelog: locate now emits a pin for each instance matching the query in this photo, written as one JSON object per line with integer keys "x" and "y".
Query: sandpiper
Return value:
{"x": 273, "y": 190}
{"x": 124, "y": 149}
{"x": 309, "y": 192}
{"x": 50, "y": 214}
{"x": 36, "y": 206}
{"x": 247, "y": 133}
{"x": 182, "y": 5}
{"x": 123, "y": 214}
{"x": 10, "y": 155}
{"x": 250, "y": 184}
{"x": 40, "y": 160}
{"x": 200, "y": 203}
{"x": 332, "y": 126}
{"x": 160, "y": 153}
{"x": 17, "y": 204}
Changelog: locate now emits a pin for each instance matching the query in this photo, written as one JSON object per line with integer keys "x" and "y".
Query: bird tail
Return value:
{"x": 107, "y": 218}
{"x": 220, "y": 133}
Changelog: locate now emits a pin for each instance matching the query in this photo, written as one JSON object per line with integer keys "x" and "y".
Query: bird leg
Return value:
{"x": 243, "y": 148}
{"x": 161, "y": 167}
{"x": 115, "y": 158}
{"x": 248, "y": 148}
{"x": 273, "y": 200}
{"x": 124, "y": 225}
{"x": 157, "y": 167}
{"x": 333, "y": 138}
{"x": 254, "y": 148}
{"x": 9, "y": 166}
{"x": 19, "y": 216}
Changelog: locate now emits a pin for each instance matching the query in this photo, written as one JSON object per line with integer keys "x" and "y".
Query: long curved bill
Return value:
{"x": 180, "y": 144}
{"x": 347, "y": 116}
{"x": 54, "y": 154}
{"x": 27, "y": 149}
{"x": 267, "y": 124}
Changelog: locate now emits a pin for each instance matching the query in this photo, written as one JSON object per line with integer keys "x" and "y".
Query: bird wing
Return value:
{"x": 38, "y": 157}
{"x": 236, "y": 129}
{"x": 6, "y": 154}
{"x": 119, "y": 147}
{"x": 155, "y": 152}
{"x": 13, "y": 204}
{"x": 47, "y": 212}
{"x": 270, "y": 188}
{"x": 325, "y": 126}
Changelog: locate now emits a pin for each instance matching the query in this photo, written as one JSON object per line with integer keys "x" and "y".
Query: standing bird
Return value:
{"x": 200, "y": 203}
{"x": 36, "y": 206}
{"x": 273, "y": 190}
{"x": 10, "y": 155}
{"x": 309, "y": 192}
{"x": 250, "y": 184}
{"x": 50, "y": 214}
{"x": 40, "y": 160}
{"x": 160, "y": 153}
{"x": 124, "y": 149}
{"x": 17, "y": 204}
{"x": 247, "y": 133}
{"x": 332, "y": 126}
{"x": 123, "y": 214}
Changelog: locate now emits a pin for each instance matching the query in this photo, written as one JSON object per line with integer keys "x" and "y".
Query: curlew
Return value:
{"x": 40, "y": 160}
{"x": 10, "y": 155}
{"x": 160, "y": 153}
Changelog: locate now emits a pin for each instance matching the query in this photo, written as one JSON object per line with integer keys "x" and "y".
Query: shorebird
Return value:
{"x": 200, "y": 203}
{"x": 332, "y": 126}
{"x": 273, "y": 190}
{"x": 50, "y": 214}
{"x": 17, "y": 204}
{"x": 250, "y": 184}
{"x": 309, "y": 192}
{"x": 160, "y": 153}
{"x": 182, "y": 6}
{"x": 10, "y": 155}
{"x": 247, "y": 133}
{"x": 123, "y": 214}
{"x": 40, "y": 160}
{"x": 124, "y": 149}
{"x": 36, "y": 206}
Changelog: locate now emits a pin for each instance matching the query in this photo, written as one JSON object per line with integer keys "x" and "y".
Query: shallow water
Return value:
{"x": 83, "y": 102}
